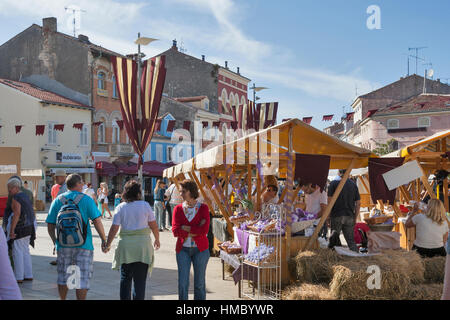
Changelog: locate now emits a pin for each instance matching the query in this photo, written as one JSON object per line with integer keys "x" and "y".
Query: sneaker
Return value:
{"x": 161, "y": 230}
{"x": 53, "y": 263}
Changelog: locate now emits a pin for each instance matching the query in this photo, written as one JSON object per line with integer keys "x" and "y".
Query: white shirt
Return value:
{"x": 174, "y": 195}
{"x": 190, "y": 214}
{"x": 314, "y": 200}
{"x": 133, "y": 215}
{"x": 429, "y": 234}
{"x": 90, "y": 192}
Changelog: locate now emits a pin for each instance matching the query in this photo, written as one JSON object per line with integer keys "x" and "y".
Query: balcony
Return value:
{"x": 102, "y": 92}
{"x": 121, "y": 150}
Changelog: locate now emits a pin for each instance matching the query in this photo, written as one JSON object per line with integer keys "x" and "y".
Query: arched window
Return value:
{"x": 115, "y": 132}
{"x": 232, "y": 100}
{"x": 423, "y": 122}
{"x": 224, "y": 101}
{"x": 114, "y": 87}
{"x": 243, "y": 100}
{"x": 101, "y": 132}
{"x": 393, "y": 124}
{"x": 101, "y": 80}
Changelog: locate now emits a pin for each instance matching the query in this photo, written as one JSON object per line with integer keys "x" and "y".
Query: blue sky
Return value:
{"x": 313, "y": 55}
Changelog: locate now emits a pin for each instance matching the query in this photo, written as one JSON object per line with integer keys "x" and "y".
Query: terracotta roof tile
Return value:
{"x": 41, "y": 94}
{"x": 420, "y": 103}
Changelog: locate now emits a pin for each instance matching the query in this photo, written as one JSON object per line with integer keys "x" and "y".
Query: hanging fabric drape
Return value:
{"x": 139, "y": 126}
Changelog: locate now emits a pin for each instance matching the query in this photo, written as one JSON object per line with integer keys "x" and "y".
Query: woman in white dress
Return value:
{"x": 102, "y": 193}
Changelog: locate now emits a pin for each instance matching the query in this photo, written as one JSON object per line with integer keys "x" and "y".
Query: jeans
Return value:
{"x": 160, "y": 214}
{"x": 172, "y": 207}
{"x": 200, "y": 260}
{"x": 347, "y": 225}
{"x": 136, "y": 271}
{"x": 430, "y": 253}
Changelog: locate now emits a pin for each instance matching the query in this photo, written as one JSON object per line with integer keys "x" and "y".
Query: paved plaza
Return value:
{"x": 162, "y": 285}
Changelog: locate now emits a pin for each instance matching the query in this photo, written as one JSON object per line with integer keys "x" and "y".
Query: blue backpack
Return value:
{"x": 71, "y": 231}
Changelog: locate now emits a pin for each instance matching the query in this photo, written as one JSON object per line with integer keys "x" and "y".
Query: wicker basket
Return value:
{"x": 238, "y": 220}
{"x": 268, "y": 228}
{"x": 233, "y": 250}
{"x": 271, "y": 259}
{"x": 377, "y": 220}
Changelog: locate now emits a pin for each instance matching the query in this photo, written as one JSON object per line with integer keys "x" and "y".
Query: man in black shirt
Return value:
{"x": 344, "y": 212}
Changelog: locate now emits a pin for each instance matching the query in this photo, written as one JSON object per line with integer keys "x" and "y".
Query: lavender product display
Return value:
{"x": 260, "y": 253}
{"x": 300, "y": 215}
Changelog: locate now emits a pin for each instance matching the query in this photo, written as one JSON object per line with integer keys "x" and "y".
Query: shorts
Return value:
{"x": 82, "y": 258}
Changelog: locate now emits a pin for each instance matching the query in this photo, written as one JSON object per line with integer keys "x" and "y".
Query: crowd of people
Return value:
{"x": 138, "y": 227}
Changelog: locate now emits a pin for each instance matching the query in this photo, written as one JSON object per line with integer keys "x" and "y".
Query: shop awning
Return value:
{"x": 105, "y": 168}
{"x": 129, "y": 167}
{"x": 155, "y": 168}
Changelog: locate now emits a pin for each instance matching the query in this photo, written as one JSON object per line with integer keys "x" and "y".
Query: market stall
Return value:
{"x": 9, "y": 166}
{"x": 244, "y": 163}
{"x": 432, "y": 156}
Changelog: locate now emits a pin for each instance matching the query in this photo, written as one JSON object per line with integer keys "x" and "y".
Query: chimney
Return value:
{"x": 438, "y": 80}
{"x": 203, "y": 57}
{"x": 174, "y": 45}
{"x": 83, "y": 38}
{"x": 49, "y": 24}
{"x": 226, "y": 64}
{"x": 238, "y": 70}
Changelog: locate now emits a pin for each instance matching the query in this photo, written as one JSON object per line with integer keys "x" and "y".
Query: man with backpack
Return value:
{"x": 69, "y": 229}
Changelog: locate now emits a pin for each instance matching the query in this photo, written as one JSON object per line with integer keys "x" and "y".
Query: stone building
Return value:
{"x": 362, "y": 131}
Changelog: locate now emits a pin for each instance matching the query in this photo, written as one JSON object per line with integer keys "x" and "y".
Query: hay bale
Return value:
{"x": 408, "y": 262}
{"x": 431, "y": 291}
{"x": 307, "y": 292}
{"x": 314, "y": 266}
{"x": 434, "y": 269}
{"x": 350, "y": 282}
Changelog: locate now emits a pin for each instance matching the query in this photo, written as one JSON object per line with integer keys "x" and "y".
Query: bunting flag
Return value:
{"x": 234, "y": 125}
{"x": 120, "y": 124}
{"x": 40, "y": 130}
{"x": 150, "y": 89}
{"x": 18, "y": 128}
{"x": 170, "y": 125}
{"x": 349, "y": 116}
{"x": 186, "y": 125}
{"x": 216, "y": 124}
{"x": 328, "y": 117}
{"x": 307, "y": 120}
{"x": 96, "y": 124}
{"x": 205, "y": 124}
{"x": 158, "y": 124}
{"x": 287, "y": 119}
{"x": 59, "y": 127}
{"x": 266, "y": 113}
{"x": 78, "y": 126}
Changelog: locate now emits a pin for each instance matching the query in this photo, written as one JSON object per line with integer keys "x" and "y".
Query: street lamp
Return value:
{"x": 255, "y": 90}
{"x": 140, "y": 41}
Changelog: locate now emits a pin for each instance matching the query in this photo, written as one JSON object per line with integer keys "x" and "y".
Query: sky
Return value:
{"x": 315, "y": 57}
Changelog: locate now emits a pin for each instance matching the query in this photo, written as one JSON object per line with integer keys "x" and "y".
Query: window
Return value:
{"x": 169, "y": 153}
{"x": 224, "y": 101}
{"x": 393, "y": 124}
{"x": 115, "y": 132}
{"x": 423, "y": 122}
{"x": 52, "y": 133}
{"x": 232, "y": 101}
{"x": 159, "y": 152}
{"x": 114, "y": 87}
{"x": 101, "y": 80}
{"x": 84, "y": 136}
{"x": 206, "y": 105}
{"x": 243, "y": 100}
{"x": 101, "y": 133}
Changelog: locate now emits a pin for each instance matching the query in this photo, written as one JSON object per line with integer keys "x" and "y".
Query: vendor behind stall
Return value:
{"x": 316, "y": 202}
{"x": 431, "y": 229}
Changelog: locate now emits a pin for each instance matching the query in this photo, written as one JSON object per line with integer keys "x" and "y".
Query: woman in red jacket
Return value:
{"x": 190, "y": 225}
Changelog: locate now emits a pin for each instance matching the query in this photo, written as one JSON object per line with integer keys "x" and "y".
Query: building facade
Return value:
{"x": 69, "y": 149}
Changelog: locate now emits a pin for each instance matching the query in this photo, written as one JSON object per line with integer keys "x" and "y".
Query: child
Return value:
{"x": 117, "y": 200}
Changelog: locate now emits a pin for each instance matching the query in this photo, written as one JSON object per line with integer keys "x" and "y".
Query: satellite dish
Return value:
{"x": 430, "y": 73}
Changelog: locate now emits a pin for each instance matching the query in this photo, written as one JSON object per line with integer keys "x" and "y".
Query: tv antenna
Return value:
{"x": 74, "y": 10}
{"x": 411, "y": 56}
{"x": 182, "y": 48}
{"x": 417, "y": 53}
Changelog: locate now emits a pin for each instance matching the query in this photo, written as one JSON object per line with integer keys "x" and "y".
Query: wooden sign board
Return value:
{"x": 402, "y": 175}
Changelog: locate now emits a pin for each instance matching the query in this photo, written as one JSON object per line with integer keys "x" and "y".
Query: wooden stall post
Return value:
{"x": 331, "y": 204}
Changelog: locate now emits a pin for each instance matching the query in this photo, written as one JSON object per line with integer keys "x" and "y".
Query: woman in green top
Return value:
{"x": 134, "y": 253}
